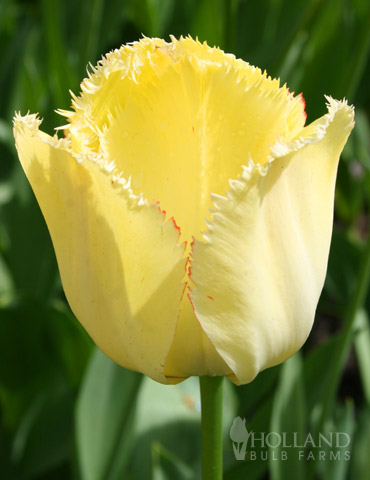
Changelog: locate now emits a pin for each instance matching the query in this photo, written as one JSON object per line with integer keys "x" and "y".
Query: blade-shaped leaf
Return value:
{"x": 167, "y": 466}
{"x": 104, "y": 417}
{"x": 288, "y": 415}
{"x": 362, "y": 348}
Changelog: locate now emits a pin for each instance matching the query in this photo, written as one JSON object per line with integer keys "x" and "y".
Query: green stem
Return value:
{"x": 211, "y": 399}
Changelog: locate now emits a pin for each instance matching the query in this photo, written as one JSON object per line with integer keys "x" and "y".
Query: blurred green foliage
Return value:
{"x": 66, "y": 411}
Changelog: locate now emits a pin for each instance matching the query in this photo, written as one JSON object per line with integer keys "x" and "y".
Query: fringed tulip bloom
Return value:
{"x": 190, "y": 209}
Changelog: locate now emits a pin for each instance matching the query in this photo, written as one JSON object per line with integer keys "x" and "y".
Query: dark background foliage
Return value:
{"x": 66, "y": 411}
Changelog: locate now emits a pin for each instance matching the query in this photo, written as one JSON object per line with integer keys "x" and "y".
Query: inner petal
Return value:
{"x": 182, "y": 123}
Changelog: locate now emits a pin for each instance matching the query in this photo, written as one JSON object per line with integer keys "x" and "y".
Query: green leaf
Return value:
{"x": 167, "y": 466}
{"x": 361, "y": 139}
{"x": 56, "y": 57}
{"x": 251, "y": 470}
{"x": 92, "y": 12}
{"x": 151, "y": 16}
{"x": 24, "y": 355}
{"x": 44, "y": 437}
{"x": 207, "y": 21}
{"x": 104, "y": 419}
{"x": 49, "y": 338}
{"x": 5, "y": 451}
{"x": 335, "y": 459}
{"x": 256, "y": 464}
{"x": 169, "y": 415}
{"x": 315, "y": 376}
{"x": 288, "y": 415}
{"x": 30, "y": 258}
{"x": 39, "y": 344}
{"x": 344, "y": 260}
{"x": 6, "y": 281}
{"x": 362, "y": 349}
{"x": 13, "y": 49}
{"x": 360, "y": 458}
{"x": 253, "y": 394}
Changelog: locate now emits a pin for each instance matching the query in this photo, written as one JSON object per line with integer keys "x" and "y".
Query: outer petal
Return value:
{"x": 120, "y": 264}
{"x": 259, "y": 274}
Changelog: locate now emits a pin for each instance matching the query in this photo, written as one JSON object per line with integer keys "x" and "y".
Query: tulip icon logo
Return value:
{"x": 239, "y": 436}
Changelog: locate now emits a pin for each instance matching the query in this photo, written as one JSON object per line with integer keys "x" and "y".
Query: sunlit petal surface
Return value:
{"x": 120, "y": 265}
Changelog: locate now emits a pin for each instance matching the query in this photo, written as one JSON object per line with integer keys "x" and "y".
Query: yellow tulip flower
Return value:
{"x": 190, "y": 209}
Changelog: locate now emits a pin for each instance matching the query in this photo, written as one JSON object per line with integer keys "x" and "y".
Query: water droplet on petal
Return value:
{"x": 124, "y": 134}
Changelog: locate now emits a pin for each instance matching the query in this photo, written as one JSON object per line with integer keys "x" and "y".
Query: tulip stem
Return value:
{"x": 211, "y": 401}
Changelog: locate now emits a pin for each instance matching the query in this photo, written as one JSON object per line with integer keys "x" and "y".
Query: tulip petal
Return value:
{"x": 121, "y": 266}
{"x": 192, "y": 353}
{"x": 259, "y": 272}
{"x": 180, "y": 119}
